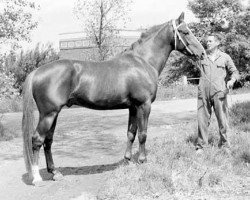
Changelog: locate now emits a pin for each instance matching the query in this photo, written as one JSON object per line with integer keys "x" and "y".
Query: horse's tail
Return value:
{"x": 28, "y": 126}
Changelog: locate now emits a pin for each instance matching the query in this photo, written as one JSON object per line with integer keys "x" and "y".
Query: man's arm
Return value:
{"x": 232, "y": 72}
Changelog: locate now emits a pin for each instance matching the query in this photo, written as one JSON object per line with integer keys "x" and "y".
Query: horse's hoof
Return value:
{"x": 126, "y": 161}
{"x": 37, "y": 181}
{"x": 57, "y": 176}
{"x": 142, "y": 160}
{"x": 127, "y": 156}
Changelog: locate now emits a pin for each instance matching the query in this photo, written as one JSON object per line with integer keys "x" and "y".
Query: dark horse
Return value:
{"x": 128, "y": 81}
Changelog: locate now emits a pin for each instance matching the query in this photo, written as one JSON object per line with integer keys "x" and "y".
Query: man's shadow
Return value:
{"x": 84, "y": 170}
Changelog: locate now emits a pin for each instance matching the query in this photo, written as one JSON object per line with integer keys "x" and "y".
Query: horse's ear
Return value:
{"x": 181, "y": 18}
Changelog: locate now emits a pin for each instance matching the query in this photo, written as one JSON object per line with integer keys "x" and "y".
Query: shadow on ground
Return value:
{"x": 84, "y": 170}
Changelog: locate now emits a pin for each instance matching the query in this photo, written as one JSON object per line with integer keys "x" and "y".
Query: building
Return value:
{"x": 74, "y": 45}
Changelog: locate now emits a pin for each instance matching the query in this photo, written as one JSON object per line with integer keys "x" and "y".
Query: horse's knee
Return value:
{"x": 142, "y": 138}
{"x": 37, "y": 141}
{"x": 131, "y": 136}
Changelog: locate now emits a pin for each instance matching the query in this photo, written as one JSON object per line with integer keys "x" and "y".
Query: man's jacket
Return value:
{"x": 215, "y": 74}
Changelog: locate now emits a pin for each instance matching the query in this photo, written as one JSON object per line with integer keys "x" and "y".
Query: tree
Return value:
{"x": 100, "y": 19}
{"x": 16, "y": 21}
{"x": 229, "y": 18}
{"x": 20, "y": 65}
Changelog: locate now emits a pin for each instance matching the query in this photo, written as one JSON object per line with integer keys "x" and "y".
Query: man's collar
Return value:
{"x": 217, "y": 55}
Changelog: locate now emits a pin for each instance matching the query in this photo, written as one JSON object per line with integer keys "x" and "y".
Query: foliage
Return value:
{"x": 7, "y": 89}
{"x": 20, "y": 65}
{"x": 227, "y": 17}
{"x": 17, "y": 21}
{"x": 100, "y": 19}
{"x": 9, "y": 102}
{"x": 240, "y": 115}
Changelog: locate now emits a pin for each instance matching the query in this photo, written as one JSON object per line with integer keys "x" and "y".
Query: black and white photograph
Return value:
{"x": 124, "y": 99}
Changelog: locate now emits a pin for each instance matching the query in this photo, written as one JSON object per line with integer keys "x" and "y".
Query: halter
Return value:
{"x": 176, "y": 33}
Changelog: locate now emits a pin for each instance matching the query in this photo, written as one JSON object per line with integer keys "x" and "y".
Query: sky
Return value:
{"x": 56, "y": 17}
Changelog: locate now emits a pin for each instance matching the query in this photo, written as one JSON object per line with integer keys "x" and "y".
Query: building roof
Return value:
{"x": 73, "y": 40}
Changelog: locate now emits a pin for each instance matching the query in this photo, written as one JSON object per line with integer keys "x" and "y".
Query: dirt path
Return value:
{"x": 88, "y": 145}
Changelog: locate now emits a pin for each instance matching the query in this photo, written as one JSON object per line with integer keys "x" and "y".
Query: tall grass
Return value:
{"x": 175, "y": 171}
{"x": 10, "y": 105}
{"x": 240, "y": 115}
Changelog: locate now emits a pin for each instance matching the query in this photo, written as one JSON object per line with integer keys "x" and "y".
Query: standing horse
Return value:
{"x": 128, "y": 81}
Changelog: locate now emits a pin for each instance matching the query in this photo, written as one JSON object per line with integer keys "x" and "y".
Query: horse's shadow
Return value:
{"x": 84, "y": 170}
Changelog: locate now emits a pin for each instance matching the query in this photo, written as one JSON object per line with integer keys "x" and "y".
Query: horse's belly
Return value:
{"x": 106, "y": 102}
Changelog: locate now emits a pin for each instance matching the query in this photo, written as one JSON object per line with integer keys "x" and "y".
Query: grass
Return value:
{"x": 10, "y": 105}
{"x": 174, "y": 171}
{"x": 240, "y": 115}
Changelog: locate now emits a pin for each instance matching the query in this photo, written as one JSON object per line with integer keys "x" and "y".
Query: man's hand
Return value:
{"x": 230, "y": 84}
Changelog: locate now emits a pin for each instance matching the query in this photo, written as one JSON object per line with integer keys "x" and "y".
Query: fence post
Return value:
{"x": 184, "y": 80}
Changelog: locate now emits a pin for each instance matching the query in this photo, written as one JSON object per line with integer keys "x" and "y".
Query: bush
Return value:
{"x": 240, "y": 115}
{"x": 20, "y": 65}
{"x": 1, "y": 128}
{"x": 6, "y": 134}
{"x": 7, "y": 89}
{"x": 10, "y": 105}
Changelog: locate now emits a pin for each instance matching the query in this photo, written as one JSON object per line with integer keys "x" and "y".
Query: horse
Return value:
{"x": 127, "y": 81}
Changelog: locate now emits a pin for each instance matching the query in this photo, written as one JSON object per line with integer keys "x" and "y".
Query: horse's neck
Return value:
{"x": 155, "y": 53}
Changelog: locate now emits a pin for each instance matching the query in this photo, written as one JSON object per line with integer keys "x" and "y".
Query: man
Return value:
{"x": 218, "y": 74}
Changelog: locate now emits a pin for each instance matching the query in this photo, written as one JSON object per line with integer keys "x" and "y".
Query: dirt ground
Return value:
{"x": 87, "y": 146}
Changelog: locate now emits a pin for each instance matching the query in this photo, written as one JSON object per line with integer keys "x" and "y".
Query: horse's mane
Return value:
{"x": 146, "y": 35}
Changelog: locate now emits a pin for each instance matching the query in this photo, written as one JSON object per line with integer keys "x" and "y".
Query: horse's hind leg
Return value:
{"x": 47, "y": 151}
{"x": 132, "y": 129}
{"x": 43, "y": 129}
{"x": 143, "y": 112}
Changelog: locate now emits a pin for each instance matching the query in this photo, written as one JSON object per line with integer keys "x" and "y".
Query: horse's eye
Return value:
{"x": 185, "y": 32}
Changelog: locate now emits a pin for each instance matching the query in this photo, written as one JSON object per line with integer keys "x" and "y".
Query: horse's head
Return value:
{"x": 184, "y": 40}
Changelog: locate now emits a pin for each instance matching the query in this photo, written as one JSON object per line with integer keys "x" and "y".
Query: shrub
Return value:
{"x": 1, "y": 128}
{"x": 7, "y": 89}
{"x": 240, "y": 115}
{"x": 6, "y": 134}
{"x": 10, "y": 105}
{"x": 20, "y": 65}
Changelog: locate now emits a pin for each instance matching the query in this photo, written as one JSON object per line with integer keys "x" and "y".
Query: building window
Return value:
{"x": 71, "y": 44}
{"x": 78, "y": 43}
{"x": 63, "y": 45}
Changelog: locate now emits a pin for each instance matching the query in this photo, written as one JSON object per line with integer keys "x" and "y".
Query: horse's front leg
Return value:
{"x": 143, "y": 112}
{"x": 132, "y": 129}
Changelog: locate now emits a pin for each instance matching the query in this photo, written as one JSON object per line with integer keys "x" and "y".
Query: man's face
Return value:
{"x": 212, "y": 43}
